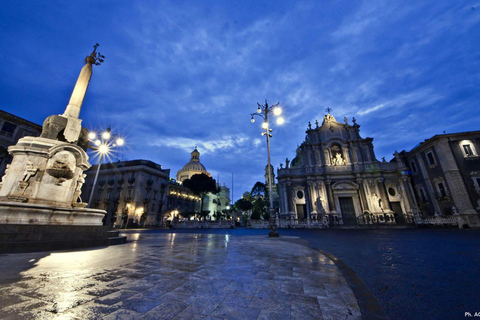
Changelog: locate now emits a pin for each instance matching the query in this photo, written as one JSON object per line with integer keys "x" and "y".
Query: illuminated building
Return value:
{"x": 336, "y": 178}
{"x": 132, "y": 192}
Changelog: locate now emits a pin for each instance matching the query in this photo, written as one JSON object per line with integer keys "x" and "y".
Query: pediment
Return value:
{"x": 345, "y": 185}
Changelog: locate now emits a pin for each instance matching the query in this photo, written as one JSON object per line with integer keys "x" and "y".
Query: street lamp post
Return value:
{"x": 263, "y": 111}
{"x": 103, "y": 144}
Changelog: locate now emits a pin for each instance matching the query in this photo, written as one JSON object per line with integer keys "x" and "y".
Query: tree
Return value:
{"x": 201, "y": 184}
{"x": 259, "y": 200}
{"x": 258, "y": 190}
{"x": 243, "y": 204}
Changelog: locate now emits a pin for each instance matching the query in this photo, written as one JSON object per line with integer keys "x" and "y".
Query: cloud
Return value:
{"x": 225, "y": 143}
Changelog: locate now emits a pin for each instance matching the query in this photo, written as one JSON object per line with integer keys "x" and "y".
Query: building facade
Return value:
{"x": 214, "y": 203}
{"x": 132, "y": 192}
{"x": 445, "y": 174}
{"x": 179, "y": 200}
{"x": 217, "y": 203}
{"x": 12, "y": 128}
{"x": 336, "y": 178}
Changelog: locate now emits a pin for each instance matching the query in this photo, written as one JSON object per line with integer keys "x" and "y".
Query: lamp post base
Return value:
{"x": 273, "y": 226}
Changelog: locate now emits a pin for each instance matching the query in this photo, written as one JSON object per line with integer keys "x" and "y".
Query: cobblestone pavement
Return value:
{"x": 177, "y": 276}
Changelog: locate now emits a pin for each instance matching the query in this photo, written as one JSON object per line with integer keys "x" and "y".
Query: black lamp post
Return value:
{"x": 263, "y": 112}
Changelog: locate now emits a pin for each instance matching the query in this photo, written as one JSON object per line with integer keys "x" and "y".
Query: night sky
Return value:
{"x": 184, "y": 73}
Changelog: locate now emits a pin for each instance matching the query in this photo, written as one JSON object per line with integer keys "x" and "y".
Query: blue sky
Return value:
{"x": 184, "y": 73}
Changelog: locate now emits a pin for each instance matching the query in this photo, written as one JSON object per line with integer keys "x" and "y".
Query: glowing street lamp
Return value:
{"x": 263, "y": 111}
{"x": 103, "y": 144}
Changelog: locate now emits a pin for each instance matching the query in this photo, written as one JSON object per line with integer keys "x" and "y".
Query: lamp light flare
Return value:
{"x": 259, "y": 110}
{"x": 97, "y": 142}
{"x": 92, "y": 135}
{"x": 252, "y": 120}
{"x": 120, "y": 142}
{"x": 103, "y": 149}
{"x": 265, "y": 125}
{"x": 277, "y": 111}
{"x": 106, "y": 135}
{"x": 280, "y": 120}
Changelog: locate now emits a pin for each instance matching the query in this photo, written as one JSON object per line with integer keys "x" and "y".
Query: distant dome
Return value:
{"x": 194, "y": 166}
{"x": 191, "y": 168}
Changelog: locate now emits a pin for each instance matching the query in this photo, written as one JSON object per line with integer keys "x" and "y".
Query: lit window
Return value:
{"x": 468, "y": 150}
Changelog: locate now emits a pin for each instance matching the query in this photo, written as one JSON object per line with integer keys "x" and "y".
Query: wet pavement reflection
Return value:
{"x": 177, "y": 276}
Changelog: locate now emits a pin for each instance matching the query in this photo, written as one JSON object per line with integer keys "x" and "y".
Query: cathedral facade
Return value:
{"x": 335, "y": 178}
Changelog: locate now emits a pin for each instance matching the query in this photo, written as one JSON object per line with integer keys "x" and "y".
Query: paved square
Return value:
{"x": 177, "y": 276}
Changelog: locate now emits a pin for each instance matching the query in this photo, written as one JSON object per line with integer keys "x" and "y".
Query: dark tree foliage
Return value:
{"x": 258, "y": 190}
{"x": 201, "y": 184}
{"x": 243, "y": 204}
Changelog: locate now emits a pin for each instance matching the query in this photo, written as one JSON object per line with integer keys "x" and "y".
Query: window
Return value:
{"x": 430, "y": 158}
{"x": 441, "y": 189}
{"x": 468, "y": 150}
{"x": 299, "y": 194}
{"x": 392, "y": 192}
{"x": 8, "y": 129}
{"x": 413, "y": 166}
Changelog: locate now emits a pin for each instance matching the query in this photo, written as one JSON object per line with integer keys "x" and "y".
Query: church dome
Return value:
{"x": 191, "y": 168}
{"x": 194, "y": 166}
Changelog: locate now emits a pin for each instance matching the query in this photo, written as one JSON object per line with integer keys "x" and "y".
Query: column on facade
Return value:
{"x": 353, "y": 154}
{"x": 412, "y": 194}
{"x": 323, "y": 195}
{"x": 308, "y": 203}
{"x": 363, "y": 198}
{"x": 428, "y": 184}
{"x": 309, "y": 156}
{"x": 382, "y": 193}
{"x": 326, "y": 155}
{"x": 408, "y": 198}
{"x": 328, "y": 187}
{"x": 313, "y": 200}
{"x": 316, "y": 154}
{"x": 346, "y": 155}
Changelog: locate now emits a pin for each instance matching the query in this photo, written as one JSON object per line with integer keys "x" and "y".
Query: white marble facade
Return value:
{"x": 335, "y": 178}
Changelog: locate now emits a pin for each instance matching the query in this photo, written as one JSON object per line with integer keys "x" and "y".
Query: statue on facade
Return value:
{"x": 345, "y": 120}
{"x": 287, "y": 162}
{"x": 338, "y": 160}
{"x": 30, "y": 171}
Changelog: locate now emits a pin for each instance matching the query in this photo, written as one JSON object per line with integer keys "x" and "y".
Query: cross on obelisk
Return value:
{"x": 329, "y": 110}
